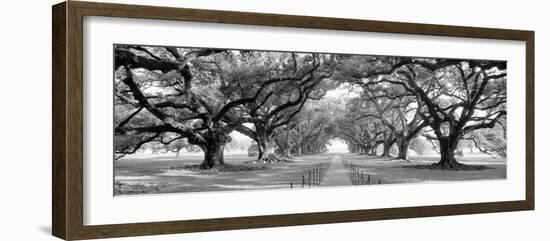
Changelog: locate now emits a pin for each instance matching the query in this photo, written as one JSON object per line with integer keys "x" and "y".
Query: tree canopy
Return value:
{"x": 181, "y": 97}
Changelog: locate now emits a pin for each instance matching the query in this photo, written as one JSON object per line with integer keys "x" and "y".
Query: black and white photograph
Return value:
{"x": 190, "y": 119}
{"x": 271, "y": 120}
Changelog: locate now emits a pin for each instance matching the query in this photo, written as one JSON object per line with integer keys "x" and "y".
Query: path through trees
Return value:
{"x": 292, "y": 104}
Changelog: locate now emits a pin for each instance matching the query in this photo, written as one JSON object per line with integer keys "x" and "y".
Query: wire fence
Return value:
{"x": 311, "y": 177}
{"x": 359, "y": 175}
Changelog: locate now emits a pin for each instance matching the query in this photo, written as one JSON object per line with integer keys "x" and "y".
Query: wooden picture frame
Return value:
{"x": 67, "y": 137}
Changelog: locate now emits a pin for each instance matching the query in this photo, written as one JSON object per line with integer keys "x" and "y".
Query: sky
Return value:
{"x": 337, "y": 146}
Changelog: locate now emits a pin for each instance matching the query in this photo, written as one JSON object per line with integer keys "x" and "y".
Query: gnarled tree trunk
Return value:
{"x": 404, "y": 149}
{"x": 260, "y": 149}
{"x": 372, "y": 151}
{"x": 387, "y": 147}
{"x": 285, "y": 147}
{"x": 266, "y": 146}
{"x": 267, "y": 150}
{"x": 285, "y": 154}
{"x": 213, "y": 150}
{"x": 213, "y": 155}
{"x": 447, "y": 147}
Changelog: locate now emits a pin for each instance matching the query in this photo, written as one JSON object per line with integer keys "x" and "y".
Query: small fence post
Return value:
{"x": 318, "y": 175}
{"x": 314, "y": 175}
{"x": 354, "y": 176}
{"x": 351, "y": 173}
{"x": 309, "y": 178}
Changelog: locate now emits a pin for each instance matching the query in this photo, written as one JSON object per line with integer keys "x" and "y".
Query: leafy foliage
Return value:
{"x": 188, "y": 98}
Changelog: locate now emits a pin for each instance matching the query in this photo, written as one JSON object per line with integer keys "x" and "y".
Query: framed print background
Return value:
{"x": 86, "y": 184}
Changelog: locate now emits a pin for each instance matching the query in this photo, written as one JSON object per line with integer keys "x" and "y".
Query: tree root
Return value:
{"x": 451, "y": 166}
{"x": 400, "y": 160}
{"x": 219, "y": 168}
{"x": 205, "y": 166}
{"x": 272, "y": 159}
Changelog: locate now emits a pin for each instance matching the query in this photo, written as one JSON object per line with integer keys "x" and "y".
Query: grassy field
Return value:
{"x": 170, "y": 174}
{"x": 389, "y": 170}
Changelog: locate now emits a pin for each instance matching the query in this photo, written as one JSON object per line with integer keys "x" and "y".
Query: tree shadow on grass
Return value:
{"x": 459, "y": 167}
{"x": 222, "y": 168}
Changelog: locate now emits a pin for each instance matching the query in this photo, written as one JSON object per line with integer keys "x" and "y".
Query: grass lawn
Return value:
{"x": 169, "y": 174}
{"x": 398, "y": 171}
